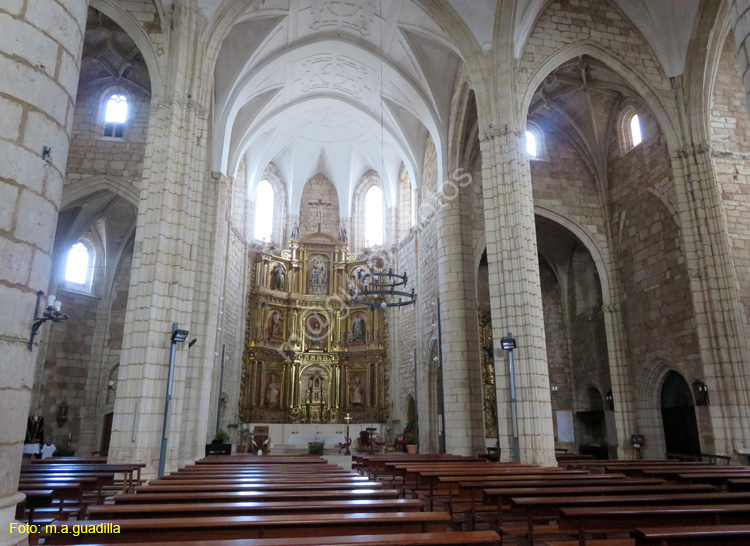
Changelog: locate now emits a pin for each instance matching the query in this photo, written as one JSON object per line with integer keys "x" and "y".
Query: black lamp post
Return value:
{"x": 508, "y": 343}
{"x": 178, "y": 336}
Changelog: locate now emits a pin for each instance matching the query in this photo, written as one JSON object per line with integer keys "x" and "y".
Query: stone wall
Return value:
{"x": 730, "y": 138}
{"x": 319, "y": 187}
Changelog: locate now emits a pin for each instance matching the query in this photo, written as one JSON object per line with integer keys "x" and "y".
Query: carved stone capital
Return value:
{"x": 611, "y": 308}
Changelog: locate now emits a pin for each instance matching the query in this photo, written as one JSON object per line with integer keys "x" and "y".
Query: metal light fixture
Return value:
{"x": 508, "y": 343}
{"x": 700, "y": 391}
{"x": 178, "y": 336}
{"x": 379, "y": 288}
{"x": 52, "y": 312}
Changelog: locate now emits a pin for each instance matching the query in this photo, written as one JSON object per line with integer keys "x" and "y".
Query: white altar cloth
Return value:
{"x": 305, "y": 437}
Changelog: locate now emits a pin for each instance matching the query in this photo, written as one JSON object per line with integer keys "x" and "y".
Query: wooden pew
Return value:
{"x": 742, "y": 484}
{"x": 163, "y": 510}
{"x": 131, "y": 472}
{"x": 295, "y": 486}
{"x": 352, "y": 480}
{"x": 162, "y": 530}
{"x": 70, "y": 460}
{"x": 714, "y": 535}
{"x": 628, "y": 518}
{"x": 719, "y": 478}
{"x": 37, "y": 499}
{"x": 533, "y": 508}
{"x": 499, "y": 497}
{"x": 260, "y": 496}
{"x": 260, "y": 460}
{"x": 457, "y": 538}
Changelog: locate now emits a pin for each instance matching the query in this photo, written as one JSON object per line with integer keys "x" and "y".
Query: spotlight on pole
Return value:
{"x": 508, "y": 343}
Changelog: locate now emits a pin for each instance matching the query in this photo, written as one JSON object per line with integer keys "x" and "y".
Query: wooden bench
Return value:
{"x": 292, "y": 486}
{"x": 729, "y": 535}
{"x": 534, "y": 508}
{"x": 279, "y": 526}
{"x": 262, "y": 480}
{"x": 239, "y": 496}
{"x": 163, "y": 510}
{"x": 739, "y": 485}
{"x": 457, "y": 538}
{"x": 719, "y": 478}
{"x": 41, "y": 498}
{"x": 628, "y": 518}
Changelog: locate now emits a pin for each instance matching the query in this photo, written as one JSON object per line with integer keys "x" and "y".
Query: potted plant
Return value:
{"x": 220, "y": 445}
{"x": 412, "y": 441}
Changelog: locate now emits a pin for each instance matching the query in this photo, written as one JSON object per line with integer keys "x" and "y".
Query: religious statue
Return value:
{"x": 272, "y": 392}
{"x": 277, "y": 278}
{"x": 317, "y": 276}
{"x": 357, "y": 392}
{"x": 358, "y": 329}
{"x": 295, "y": 231}
{"x": 342, "y": 235}
{"x": 274, "y": 325}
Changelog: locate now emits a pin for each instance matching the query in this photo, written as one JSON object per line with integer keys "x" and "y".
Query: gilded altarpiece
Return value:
{"x": 488, "y": 376}
{"x": 311, "y": 356}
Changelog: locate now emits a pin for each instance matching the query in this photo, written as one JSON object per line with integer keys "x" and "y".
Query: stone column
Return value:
{"x": 40, "y": 53}
{"x": 740, "y": 13}
{"x": 173, "y": 264}
{"x": 719, "y": 319}
{"x": 462, "y": 383}
{"x": 515, "y": 292}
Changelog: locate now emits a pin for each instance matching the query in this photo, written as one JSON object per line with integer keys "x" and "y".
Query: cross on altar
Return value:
{"x": 320, "y": 204}
{"x": 347, "y": 440}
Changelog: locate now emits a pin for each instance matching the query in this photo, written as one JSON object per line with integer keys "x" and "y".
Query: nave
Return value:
{"x": 389, "y": 500}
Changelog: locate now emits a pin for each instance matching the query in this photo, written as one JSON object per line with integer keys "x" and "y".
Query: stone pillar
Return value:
{"x": 719, "y": 319}
{"x": 173, "y": 264}
{"x": 740, "y": 14}
{"x": 515, "y": 291}
{"x": 462, "y": 383}
{"x": 40, "y": 53}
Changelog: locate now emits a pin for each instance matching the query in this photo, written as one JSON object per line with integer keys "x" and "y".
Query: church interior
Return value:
{"x": 510, "y": 228}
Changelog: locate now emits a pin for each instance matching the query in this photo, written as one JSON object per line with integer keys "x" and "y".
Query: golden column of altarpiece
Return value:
{"x": 311, "y": 355}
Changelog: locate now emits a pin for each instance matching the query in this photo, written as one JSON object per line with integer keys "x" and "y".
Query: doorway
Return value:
{"x": 678, "y": 416}
{"x": 106, "y": 433}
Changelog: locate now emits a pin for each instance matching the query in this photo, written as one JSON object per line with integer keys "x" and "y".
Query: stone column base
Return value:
{"x": 8, "y": 516}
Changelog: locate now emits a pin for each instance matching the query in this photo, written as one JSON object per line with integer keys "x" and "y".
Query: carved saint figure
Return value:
{"x": 274, "y": 325}
{"x": 295, "y": 231}
{"x": 317, "y": 277}
{"x": 277, "y": 277}
{"x": 358, "y": 329}
{"x": 357, "y": 392}
{"x": 272, "y": 392}
{"x": 343, "y": 237}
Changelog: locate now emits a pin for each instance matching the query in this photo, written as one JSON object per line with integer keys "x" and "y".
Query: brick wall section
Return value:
{"x": 730, "y": 138}
{"x": 570, "y": 21}
{"x": 657, "y": 302}
{"x": 319, "y": 187}
{"x": 93, "y": 154}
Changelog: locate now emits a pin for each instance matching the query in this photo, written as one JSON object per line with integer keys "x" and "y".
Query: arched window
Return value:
{"x": 115, "y": 115}
{"x": 635, "y": 130}
{"x": 532, "y": 147}
{"x": 79, "y": 266}
{"x": 629, "y": 128}
{"x": 264, "y": 203}
{"x": 374, "y": 217}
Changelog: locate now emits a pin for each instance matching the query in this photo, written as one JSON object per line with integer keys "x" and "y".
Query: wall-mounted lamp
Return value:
{"x": 46, "y": 152}
{"x": 112, "y": 386}
{"x": 554, "y": 389}
{"x": 192, "y": 342}
{"x": 179, "y": 336}
{"x": 610, "y": 400}
{"x": 700, "y": 391}
{"x": 52, "y": 312}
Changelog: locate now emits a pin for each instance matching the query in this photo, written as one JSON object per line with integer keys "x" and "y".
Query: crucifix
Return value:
{"x": 347, "y": 439}
{"x": 320, "y": 204}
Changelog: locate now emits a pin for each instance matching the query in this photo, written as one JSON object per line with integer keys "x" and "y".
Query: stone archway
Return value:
{"x": 648, "y": 403}
{"x": 678, "y": 416}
